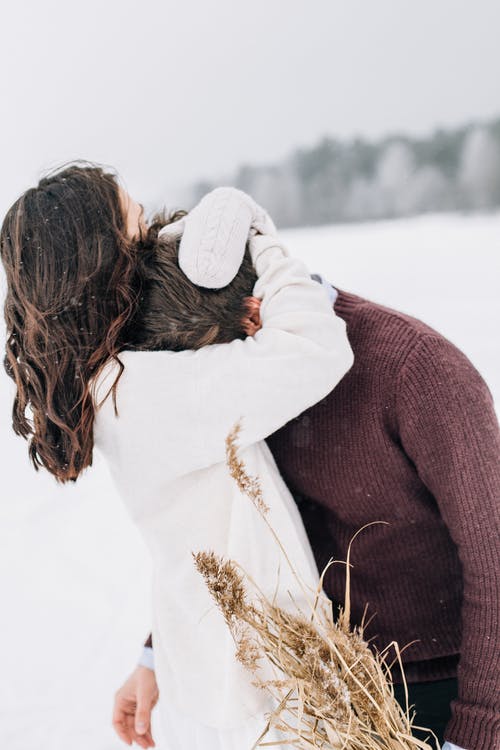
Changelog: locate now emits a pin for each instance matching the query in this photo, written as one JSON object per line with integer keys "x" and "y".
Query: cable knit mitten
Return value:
{"x": 215, "y": 233}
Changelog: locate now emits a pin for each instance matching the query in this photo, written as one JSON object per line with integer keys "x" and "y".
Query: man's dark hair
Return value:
{"x": 176, "y": 314}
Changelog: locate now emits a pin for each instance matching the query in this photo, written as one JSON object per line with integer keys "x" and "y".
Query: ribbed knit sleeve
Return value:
{"x": 448, "y": 428}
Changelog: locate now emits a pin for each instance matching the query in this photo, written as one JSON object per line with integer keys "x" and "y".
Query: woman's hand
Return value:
{"x": 214, "y": 235}
{"x": 134, "y": 702}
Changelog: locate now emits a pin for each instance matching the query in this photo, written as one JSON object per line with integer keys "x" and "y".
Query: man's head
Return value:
{"x": 175, "y": 314}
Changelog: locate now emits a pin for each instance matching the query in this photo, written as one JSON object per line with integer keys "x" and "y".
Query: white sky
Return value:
{"x": 171, "y": 92}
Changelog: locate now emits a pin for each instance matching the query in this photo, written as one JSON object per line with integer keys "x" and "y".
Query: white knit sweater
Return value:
{"x": 166, "y": 452}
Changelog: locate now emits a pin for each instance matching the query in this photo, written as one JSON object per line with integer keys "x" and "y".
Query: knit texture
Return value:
{"x": 214, "y": 235}
{"x": 410, "y": 437}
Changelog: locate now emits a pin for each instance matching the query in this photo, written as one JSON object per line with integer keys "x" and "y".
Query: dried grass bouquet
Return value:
{"x": 331, "y": 690}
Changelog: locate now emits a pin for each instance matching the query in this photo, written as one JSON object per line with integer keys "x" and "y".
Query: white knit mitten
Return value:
{"x": 214, "y": 235}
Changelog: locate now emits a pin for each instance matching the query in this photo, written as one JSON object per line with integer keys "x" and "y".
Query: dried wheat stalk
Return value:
{"x": 331, "y": 691}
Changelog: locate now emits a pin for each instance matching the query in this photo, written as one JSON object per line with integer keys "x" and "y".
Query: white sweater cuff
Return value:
{"x": 147, "y": 658}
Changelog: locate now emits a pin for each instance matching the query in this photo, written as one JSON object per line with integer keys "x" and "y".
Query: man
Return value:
{"x": 409, "y": 437}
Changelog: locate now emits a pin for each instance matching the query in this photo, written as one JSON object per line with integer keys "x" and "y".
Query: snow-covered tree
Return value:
{"x": 428, "y": 190}
{"x": 395, "y": 170}
{"x": 480, "y": 169}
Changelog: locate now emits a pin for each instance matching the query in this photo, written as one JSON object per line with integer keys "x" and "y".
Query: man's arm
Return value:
{"x": 448, "y": 428}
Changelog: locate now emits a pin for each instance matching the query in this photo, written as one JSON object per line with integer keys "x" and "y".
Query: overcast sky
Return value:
{"x": 171, "y": 92}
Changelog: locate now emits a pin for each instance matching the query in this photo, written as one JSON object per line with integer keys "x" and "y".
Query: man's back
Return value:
{"x": 408, "y": 437}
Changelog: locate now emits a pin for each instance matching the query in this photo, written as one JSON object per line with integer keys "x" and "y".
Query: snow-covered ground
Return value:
{"x": 74, "y": 572}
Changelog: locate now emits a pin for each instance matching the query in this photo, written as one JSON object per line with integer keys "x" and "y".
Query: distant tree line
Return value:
{"x": 357, "y": 180}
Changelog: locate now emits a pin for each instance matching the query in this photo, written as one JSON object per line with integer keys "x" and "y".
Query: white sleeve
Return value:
{"x": 194, "y": 398}
{"x": 298, "y": 356}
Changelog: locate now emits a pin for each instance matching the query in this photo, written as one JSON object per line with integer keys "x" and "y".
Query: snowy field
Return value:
{"x": 74, "y": 572}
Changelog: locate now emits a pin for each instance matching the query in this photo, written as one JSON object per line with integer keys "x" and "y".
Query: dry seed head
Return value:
{"x": 332, "y": 685}
{"x": 250, "y": 486}
{"x": 224, "y": 583}
{"x": 248, "y": 652}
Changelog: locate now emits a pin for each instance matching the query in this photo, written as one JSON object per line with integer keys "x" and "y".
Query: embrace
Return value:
{"x": 149, "y": 341}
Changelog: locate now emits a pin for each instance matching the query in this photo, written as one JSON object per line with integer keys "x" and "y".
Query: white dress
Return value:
{"x": 166, "y": 453}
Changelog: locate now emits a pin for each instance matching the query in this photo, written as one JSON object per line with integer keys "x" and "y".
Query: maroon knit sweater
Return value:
{"x": 409, "y": 437}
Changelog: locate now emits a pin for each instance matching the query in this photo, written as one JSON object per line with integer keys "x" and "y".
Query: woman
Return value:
{"x": 88, "y": 281}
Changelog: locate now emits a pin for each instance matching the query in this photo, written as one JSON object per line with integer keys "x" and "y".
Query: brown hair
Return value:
{"x": 78, "y": 292}
{"x": 176, "y": 314}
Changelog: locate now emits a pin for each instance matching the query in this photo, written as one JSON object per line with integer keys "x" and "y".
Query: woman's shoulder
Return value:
{"x": 139, "y": 370}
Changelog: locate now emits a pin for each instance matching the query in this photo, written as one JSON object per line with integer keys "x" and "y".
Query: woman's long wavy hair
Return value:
{"x": 73, "y": 292}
